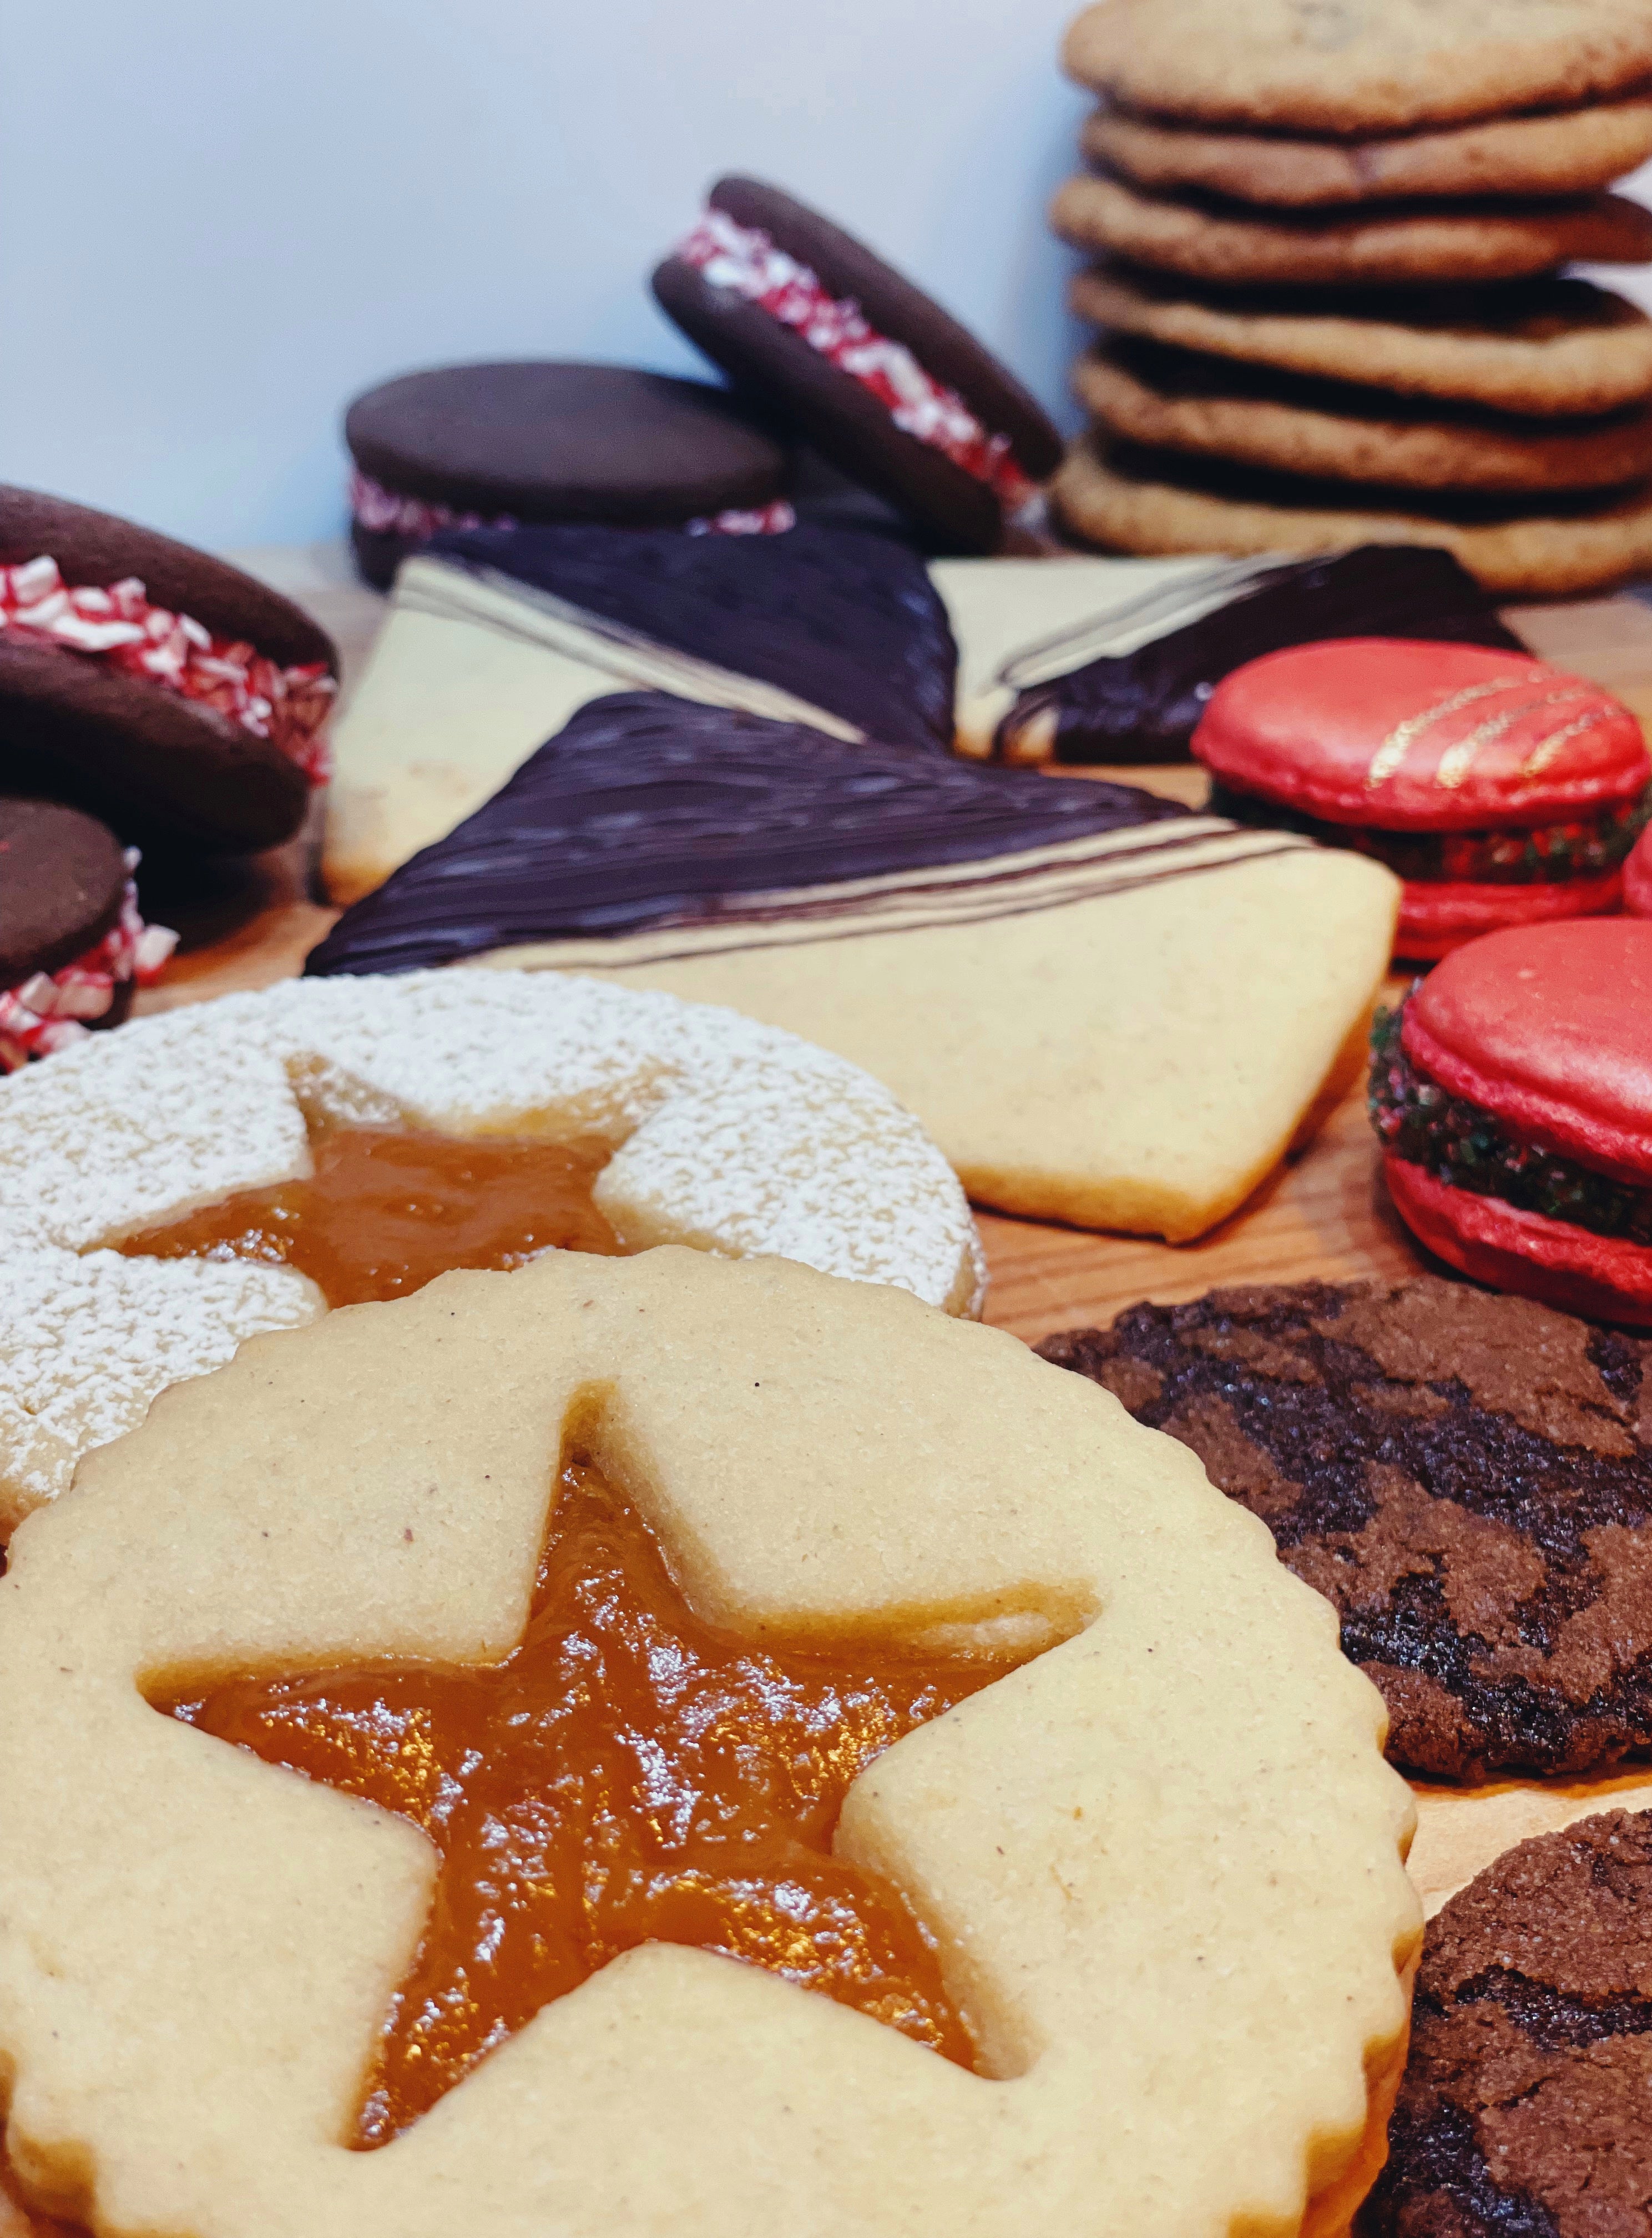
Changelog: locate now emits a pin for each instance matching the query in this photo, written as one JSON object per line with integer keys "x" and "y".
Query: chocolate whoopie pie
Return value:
{"x": 152, "y": 685}
{"x": 71, "y": 943}
{"x": 494, "y": 446}
{"x": 1503, "y": 792}
{"x": 1467, "y": 1478}
{"x": 1526, "y": 2106}
{"x": 1512, "y": 1091}
{"x": 879, "y": 378}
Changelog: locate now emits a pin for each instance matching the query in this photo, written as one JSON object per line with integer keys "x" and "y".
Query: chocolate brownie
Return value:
{"x": 1467, "y": 1478}
{"x": 1526, "y": 2108}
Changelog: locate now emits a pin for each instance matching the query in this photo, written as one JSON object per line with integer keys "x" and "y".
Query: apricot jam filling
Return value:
{"x": 628, "y": 1774}
{"x": 387, "y": 1210}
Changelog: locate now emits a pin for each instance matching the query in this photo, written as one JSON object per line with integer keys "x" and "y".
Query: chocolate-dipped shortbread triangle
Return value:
{"x": 1106, "y": 1008}
{"x": 494, "y": 639}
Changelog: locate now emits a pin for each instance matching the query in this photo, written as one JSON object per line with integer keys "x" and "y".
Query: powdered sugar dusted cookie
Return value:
{"x": 708, "y": 1129}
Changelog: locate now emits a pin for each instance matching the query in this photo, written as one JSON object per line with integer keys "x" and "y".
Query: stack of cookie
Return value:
{"x": 1329, "y": 247}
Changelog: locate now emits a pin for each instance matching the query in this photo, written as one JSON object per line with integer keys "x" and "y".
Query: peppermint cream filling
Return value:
{"x": 123, "y": 626}
{"x": 52, "y": 1009}
{"x": 382, "y": 511}
{"x": 745, "y": 261}
{"x": 1459, "y": 1143}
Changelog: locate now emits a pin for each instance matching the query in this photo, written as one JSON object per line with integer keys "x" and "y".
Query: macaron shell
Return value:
{"x": 1436, "y": 917}
{"x": 1396, "y": 734}
{"x": 1509, "y": 1248}
{"x": 1547, "y": 1026}
{"x": 1638, "y": 878}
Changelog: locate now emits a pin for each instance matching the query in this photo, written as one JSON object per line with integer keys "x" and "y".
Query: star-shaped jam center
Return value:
{"x": 630, "y": 1773}
{"x": 387, "y": 1209}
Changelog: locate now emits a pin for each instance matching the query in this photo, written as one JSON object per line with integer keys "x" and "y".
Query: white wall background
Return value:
{"x": 223, "y": 217}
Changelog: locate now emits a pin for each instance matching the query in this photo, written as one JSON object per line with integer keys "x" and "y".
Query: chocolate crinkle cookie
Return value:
{"x": 1466, "y": 1477}
{"x": 1526, "y": 2109}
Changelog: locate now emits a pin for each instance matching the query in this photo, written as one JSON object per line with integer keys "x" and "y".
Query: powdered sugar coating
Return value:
{"x": 729, "y": 1134}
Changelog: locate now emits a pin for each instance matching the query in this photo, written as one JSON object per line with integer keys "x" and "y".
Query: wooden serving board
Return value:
{"x": 1323, "y": 1213}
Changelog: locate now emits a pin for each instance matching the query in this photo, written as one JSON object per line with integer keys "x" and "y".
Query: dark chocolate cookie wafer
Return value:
{"x": 1526, "y": 2106}
{"x": 879, "y": 378}
{"x": 463, "y": 445}
{"x": 152, "y": 685}
{"x": 1466, "y": 1478}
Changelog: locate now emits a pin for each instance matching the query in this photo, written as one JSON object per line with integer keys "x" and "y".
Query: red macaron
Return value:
{"x": 1512, "y": 1091}
{"x": 1638, "y": 878}
{"x": 1502, "y": 790}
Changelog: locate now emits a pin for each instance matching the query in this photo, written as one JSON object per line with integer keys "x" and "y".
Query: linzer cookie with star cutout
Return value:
{"x": 877, "y": 376}
{"x": 158, "y": 689}
{"x": 525, "y": 442}
{"x": 1105, "y": 1008}
{"x": 1467, "y": 1478}
{"x": 1525, "y": 2106}
{"x": 72, "y": 944}
{"x": 495, "y": 636}
{"x": 597, "y": 1842}
{"x": 1503, "y": 792}
{"x": 1512, "y": 1092}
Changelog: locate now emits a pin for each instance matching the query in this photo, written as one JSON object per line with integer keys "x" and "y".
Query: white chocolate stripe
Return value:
{"x": 451, "y": 591}
{"x": 971, "y": 893}
{"x": 1545, "y": 750}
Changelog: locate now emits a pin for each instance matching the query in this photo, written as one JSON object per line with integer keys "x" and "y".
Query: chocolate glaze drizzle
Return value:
{"x": 1143, "y": 706}
{"x": 843, "y": 618}
{"x": 647, "y": 807}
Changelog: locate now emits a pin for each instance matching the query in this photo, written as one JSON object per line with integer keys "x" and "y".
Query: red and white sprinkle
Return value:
{"x": 120, "y": 626}
{"x": 382, "y": 512}
{"x": 742, "y": 258}
{"x": 52, "y": 1009}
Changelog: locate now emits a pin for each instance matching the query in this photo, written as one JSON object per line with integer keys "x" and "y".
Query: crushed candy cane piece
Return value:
{"x": 382, "y": 512}
{"x": 51, "y": 1009}
{"x": 120, "y": 625}
{"x": 745, "y": 259}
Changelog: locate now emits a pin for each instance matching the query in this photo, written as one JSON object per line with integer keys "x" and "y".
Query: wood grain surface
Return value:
{"x": 1323, "y": 1214}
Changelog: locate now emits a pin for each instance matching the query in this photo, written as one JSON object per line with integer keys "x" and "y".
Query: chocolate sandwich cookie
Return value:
{"x": 1525, "y": 2111}
{"x": 1512, "y": 1092}
{"x": 879, "y": 378}
{"x": 72, "y": 946}
{"x": 1061, "y": 695}
{"x": 1467, "y": 1478}
{"x": 153, "y": 686}
{"x": 470, "y": 446}
{"x": 1503, "y": 792}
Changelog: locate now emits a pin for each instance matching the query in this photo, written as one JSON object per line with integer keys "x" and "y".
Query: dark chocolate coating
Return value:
{"x": 1144, "y": 707}
{"x": 647, "y": 807}
{"x": 546, "y": 442}
{"x": 62, "y": 878}
{"x": 163, "y": 771}
{"x": 1524, "y": 2111}
{"x": 844, "y": 419}
{"x": 1466, "y": 1477}
{"x": 848, "y": 621}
